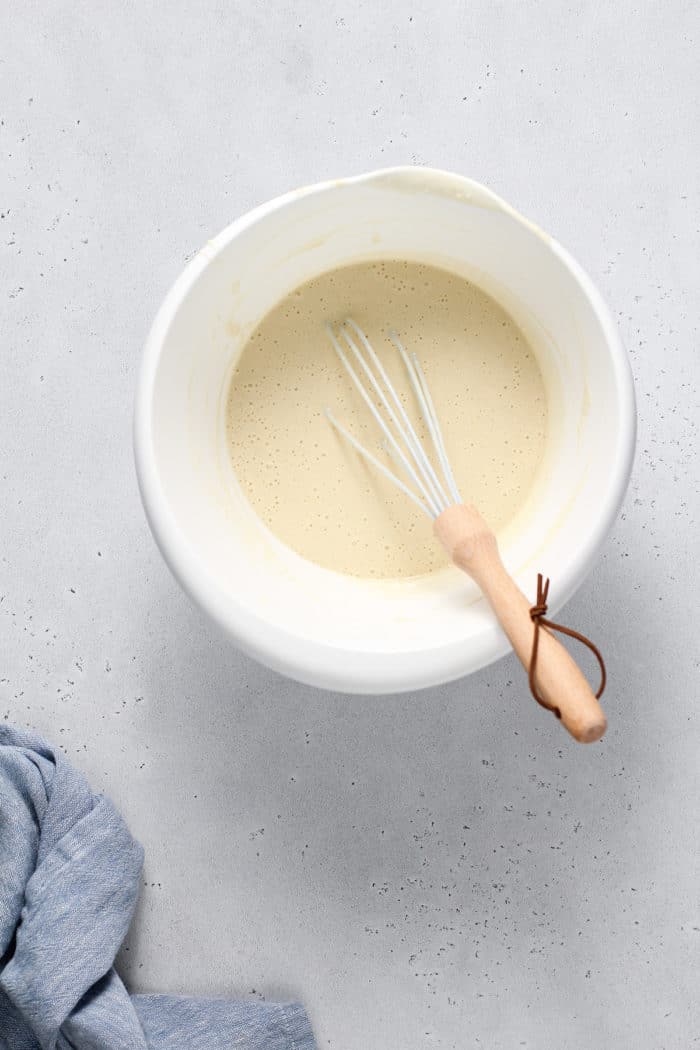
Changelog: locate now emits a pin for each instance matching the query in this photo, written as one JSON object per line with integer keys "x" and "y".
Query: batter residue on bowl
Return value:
{"x": 309, "y": 487}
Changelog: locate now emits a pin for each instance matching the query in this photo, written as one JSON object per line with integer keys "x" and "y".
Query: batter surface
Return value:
{"x": 305, "y": 482}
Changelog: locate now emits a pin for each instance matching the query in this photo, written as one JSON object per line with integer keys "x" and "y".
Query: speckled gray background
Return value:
{"x": 437, "y": 870}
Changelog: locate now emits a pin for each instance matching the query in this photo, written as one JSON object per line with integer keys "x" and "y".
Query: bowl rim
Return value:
{"x": 317, "y": 663}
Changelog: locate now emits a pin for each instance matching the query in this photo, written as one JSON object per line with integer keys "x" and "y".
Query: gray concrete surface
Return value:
{"x": 437, "y": 870}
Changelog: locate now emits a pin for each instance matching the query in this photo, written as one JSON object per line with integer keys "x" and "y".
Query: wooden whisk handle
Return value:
{"x": 559, "y": 682}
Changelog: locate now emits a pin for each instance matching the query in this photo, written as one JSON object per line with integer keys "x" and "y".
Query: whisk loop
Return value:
{"x": 431, "y": 489}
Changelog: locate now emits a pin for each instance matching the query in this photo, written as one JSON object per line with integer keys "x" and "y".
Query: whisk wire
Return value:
{"x": 412, "y": 459}
{"x": 409, "y": 470}
{"x": 436, "y": 431}
{"x": 409, "y": 466}
{"x": 409, "y": 436}
{"x": 375, "y": 462}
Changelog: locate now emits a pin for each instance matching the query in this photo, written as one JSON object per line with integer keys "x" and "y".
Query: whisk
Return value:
{"x": 555, "y": 679}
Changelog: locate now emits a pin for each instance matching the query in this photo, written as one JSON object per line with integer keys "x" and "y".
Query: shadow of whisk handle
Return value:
{"x": 558, "y": 682}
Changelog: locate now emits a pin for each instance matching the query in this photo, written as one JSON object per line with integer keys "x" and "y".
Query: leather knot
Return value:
{"x": 539, "y": 609}
{"x": 537, "y": 615}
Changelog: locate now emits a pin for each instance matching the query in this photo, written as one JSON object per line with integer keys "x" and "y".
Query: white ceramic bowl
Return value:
{"x": 314, "y": 625}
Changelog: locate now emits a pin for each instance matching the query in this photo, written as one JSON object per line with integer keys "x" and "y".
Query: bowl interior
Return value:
{"x": 316, "y": 625}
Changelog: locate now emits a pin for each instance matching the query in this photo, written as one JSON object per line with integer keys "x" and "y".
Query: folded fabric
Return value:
{"x": 69, "y": 879}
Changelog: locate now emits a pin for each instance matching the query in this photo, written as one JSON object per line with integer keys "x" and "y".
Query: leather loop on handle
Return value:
{"x": 537, "y": 615}
{"x": 558, "y": 681}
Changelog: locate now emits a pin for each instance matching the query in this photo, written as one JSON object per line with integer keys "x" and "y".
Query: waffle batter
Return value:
{"x": 311, "y": 489}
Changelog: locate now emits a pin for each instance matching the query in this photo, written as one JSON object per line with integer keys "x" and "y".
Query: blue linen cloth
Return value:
{"x": 69, "y": 879}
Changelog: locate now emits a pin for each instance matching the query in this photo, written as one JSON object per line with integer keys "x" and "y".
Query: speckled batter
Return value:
{"x": 311, "y": 489}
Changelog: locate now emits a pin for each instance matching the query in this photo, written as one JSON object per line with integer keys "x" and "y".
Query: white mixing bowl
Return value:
{"x": 321, "y": 627}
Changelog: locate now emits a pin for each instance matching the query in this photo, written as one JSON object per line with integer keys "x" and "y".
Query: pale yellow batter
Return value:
{"x": 312, "y": 490}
